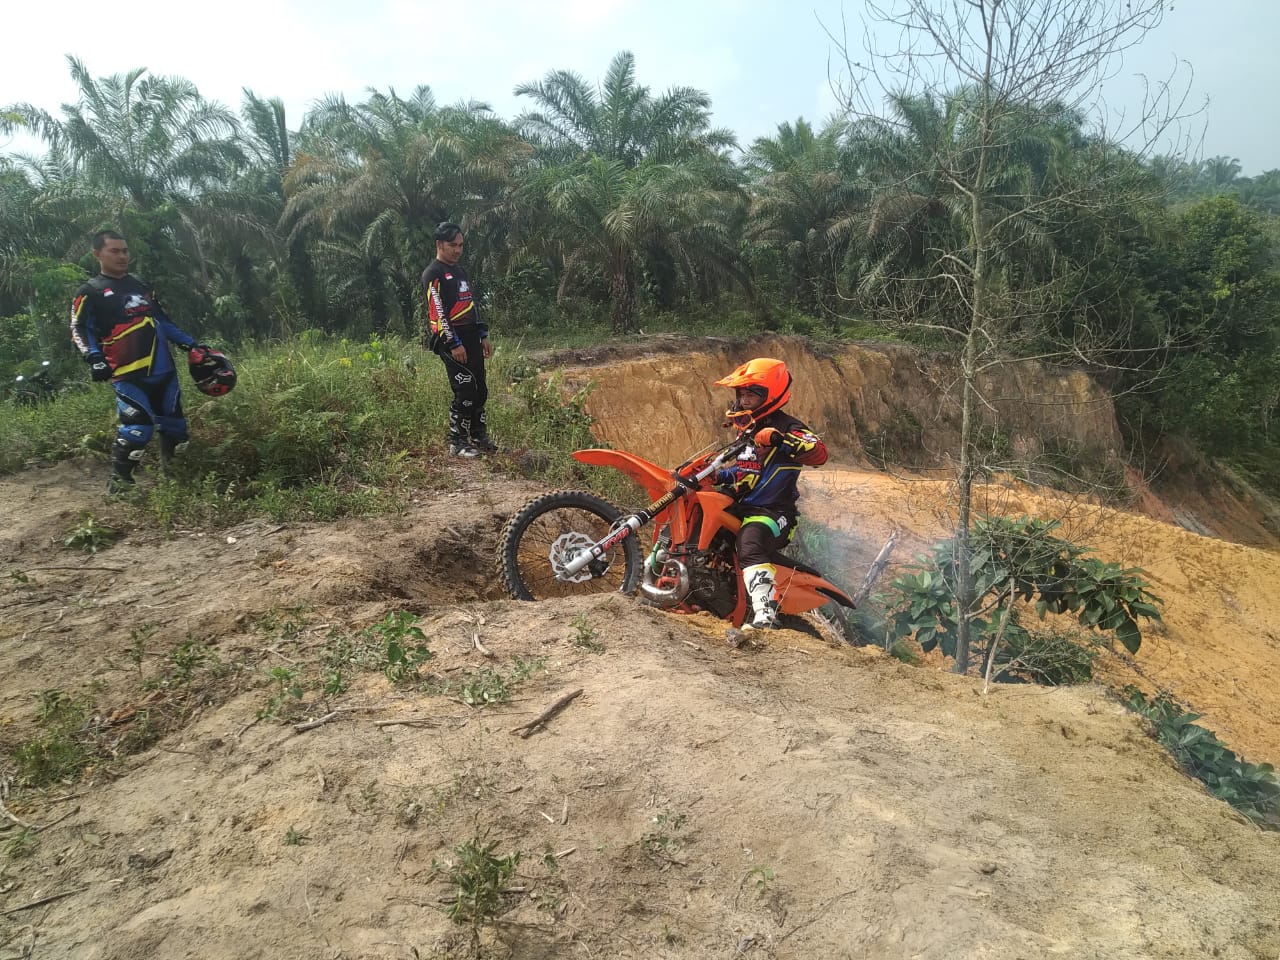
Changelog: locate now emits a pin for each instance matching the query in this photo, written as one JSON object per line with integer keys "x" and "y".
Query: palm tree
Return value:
{"x": 805, "y": 204}
{"x": 394, "y": 167}
{"x": 922, "y": 164}
{"x": 626, "y": 179}
{"x": 623, "y": 122}
{"x": 253, "y": 260}
{"x": 605, "y": 216}
{"x": 1219, "y": 172}
{"x": 150, "y": 147}
{"x": 150, "y": 139}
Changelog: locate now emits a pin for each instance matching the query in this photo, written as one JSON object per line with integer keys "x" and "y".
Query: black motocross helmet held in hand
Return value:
{"x": 211, "y": 370}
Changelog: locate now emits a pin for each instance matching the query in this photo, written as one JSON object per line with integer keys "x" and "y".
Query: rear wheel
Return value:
{"x": 550, "y": 531}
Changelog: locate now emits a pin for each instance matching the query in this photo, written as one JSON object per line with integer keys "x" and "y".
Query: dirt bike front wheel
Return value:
{"x": 548, "y": 532}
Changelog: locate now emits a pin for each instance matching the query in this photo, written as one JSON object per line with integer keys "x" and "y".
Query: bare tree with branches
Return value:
{"x": 971, "y": 111}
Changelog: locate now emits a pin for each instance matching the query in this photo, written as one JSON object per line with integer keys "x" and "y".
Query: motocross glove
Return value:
{"x": 99, "y": 369}
{"x": 768, "y": 437}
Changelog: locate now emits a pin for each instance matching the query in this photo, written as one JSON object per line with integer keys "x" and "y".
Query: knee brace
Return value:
{"x": 136, "y": 425}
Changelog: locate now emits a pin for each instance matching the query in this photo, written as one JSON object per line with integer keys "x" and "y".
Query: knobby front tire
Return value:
{"x": 546, "y": 533}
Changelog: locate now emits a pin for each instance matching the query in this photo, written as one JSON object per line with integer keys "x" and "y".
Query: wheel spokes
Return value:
{"x": 554, "y": 538}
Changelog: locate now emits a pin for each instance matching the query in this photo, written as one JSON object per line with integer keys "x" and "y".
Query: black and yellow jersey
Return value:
{"x": 766, "y": 477}
{"x": 121, "y": 318}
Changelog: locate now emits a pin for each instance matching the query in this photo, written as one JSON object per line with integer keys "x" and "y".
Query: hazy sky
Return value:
{"x": 762, "y": 61}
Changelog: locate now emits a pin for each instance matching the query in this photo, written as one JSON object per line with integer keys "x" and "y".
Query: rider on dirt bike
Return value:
{"x": 763, "y": 481}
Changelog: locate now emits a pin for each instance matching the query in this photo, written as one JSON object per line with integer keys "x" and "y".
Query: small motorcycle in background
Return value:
{"x": 43, "y": 386}
{"x": 37, "y": 388}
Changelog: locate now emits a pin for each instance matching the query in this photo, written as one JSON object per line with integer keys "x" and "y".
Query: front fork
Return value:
{"x": 626, "y": 527}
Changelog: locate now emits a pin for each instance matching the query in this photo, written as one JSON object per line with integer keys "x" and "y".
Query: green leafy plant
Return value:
{"x": 63, "y": 750}
{"x": 91, "y": 535}
{"x": 484, "y": 686}
{"x": 663, "y": 839}
{"x": 480, "y": 879}
{"x": 285, "y": 686}
{"x": 187, "y": 657}
{"x": 138, "y": 637}
{"x": 1015, "y": 562}
{"x": 293, "y": 838}
{"x": 487, "y": 685}
{"x": 22, "y": 845}
{"x": 761, "y": 877}
{"x": 522, "y": 669}
{"x": 584, "y": 635}
{"x": 403, "y": 643}
{"x": 1252, "y": 788}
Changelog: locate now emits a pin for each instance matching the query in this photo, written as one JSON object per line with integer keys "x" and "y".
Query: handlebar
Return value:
{"x": 711, "y": 462}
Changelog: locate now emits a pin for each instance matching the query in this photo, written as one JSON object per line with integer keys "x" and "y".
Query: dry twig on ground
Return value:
{"x": 526, "y": 729}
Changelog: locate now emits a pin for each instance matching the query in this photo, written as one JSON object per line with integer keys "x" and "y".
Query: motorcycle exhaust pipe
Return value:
{"x": 674, "y": 572}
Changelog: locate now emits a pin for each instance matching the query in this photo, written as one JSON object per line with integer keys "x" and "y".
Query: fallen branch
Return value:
{"x": 419, "y": 721}
{"x": 43, "y": 900}
{"x": 54, "y": 823}
{"x": 4, "y": 812}
{"x": 82, "y": 569}
{"x": 526, "y": 729}
{"x": 877, "y": 567}
{"x": 332, "y": 715}
{"x": 318, "y": 722}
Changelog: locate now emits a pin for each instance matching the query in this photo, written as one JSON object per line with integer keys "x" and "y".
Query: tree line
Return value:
{"x": 612, "y": 202}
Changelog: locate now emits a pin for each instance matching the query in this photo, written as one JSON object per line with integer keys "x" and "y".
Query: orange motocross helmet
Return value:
{"x": 762, "y": 374}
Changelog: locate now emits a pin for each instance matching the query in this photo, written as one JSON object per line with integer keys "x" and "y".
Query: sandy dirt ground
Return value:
{"x": 801, "y": 799}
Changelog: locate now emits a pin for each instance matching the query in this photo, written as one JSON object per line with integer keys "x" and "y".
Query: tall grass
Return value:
{"x": 318, "y": 428}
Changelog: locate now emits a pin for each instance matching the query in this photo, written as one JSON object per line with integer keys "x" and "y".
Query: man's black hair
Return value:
{"x": 447, "y": 231}
{"x": 102, "y": 236}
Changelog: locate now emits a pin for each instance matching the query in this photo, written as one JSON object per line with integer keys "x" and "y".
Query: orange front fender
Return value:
{"x": 652, "y": 478}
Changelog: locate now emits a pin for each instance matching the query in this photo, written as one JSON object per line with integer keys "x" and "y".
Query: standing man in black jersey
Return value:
{"x": 457, "y": 334}
{"x": 123, "y": 334}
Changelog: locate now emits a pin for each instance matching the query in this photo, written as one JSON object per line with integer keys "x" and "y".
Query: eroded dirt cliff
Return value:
{"x": 800, "y": 799}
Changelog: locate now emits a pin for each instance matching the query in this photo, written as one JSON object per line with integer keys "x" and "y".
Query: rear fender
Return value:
{"x": 799, "y": 592}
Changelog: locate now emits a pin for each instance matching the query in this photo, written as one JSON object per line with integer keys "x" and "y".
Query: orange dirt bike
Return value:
{"x": 571, "y": 543}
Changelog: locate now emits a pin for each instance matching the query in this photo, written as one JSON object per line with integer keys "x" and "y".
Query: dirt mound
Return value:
{"x": 694, "y": 800}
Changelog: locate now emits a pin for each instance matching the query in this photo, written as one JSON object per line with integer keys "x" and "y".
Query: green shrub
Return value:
{"x": 480, "y": 879}
{"x": 1252, "y": 788}
{"x": 1017, "y": 561}
{"x": 61, "y": 752}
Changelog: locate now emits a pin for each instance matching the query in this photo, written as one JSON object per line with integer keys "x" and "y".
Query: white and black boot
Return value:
{"x": 761, "y": 582}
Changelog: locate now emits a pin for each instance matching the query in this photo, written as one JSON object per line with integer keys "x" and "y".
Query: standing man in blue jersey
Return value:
{"x": 460, "y": 338}
{"x": 123, "y": 334}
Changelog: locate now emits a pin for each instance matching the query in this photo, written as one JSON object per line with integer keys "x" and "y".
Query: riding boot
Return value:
{"x": 169, "y": 448}
{"x": 460, "y": 444}
{"x": 760, "y": 580}
{"x": 124, "y": 460}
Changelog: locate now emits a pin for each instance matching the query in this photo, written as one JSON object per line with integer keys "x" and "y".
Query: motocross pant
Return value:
{"x": 470, "y": 390}
{"x": 763, "y": 534}
{"x": 143, "y": 406}
{"x": 760, "y": 536}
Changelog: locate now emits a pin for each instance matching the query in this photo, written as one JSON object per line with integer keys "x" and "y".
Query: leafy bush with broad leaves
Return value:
{"x": 1252, "y": 788}
{"x": 1012, "y": 561}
